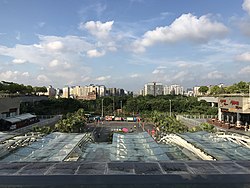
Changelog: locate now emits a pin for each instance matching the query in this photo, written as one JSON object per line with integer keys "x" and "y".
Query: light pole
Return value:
{"x": 113, "y": 105}
{"x": 121, "y": 106}
{"x": 102, "y": 108}
{"x": 169, "y": 107}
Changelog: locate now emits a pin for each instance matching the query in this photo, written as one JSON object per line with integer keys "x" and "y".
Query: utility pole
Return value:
{"x": 249, "y": 94}
{"x": 102, "y": 107}
{"x": 170, "y": 108}
{"x": 121, "y": 105}
{"x": 113, "y": 105}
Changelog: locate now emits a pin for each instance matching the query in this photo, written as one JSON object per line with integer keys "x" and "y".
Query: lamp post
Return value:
{"x": 121, "y": 106}
{"x": 169, "y": 107}
{"x": 102, "y": 108}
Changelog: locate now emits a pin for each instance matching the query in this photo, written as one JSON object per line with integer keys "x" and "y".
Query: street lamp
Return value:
{"x": 121, "y": 106}
{"x": 102, "y": 108}
{"x": 170, "y": 108}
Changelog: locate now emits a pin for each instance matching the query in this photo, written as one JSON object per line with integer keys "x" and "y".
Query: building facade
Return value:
{"x": 153, "y": 88}
{"x": 234, "y": 109}
{"x": 66, "y": 92}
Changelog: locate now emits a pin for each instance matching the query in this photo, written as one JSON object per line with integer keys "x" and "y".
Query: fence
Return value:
{"x": 193, "y": 121}
{"x": 47, "y": 122}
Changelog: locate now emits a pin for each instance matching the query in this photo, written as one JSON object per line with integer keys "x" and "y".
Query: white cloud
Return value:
{"x": 103, "y": 78}
{"x": 245, "y": 70}
{"x": 134, "y": 76}
{"x": 215, "y": 75}
{"x": 18, "y": 36}
{"x": 54, "y": 63}
{"x": 55, "y": 45}
{"x": 182, "y": 75}
{"x": 26, "y": 74}
{"x": 243, "y": 57}
{"x": 246, "y": 6}
{"x": 43, "y": 79}
{"x": 187, "y": 27}
{"x": 13, "y": 75}
{"x": 60, "y": 59}
{"x": 98, "y": 29}
{"x": 95, "y": 53}
{"x": 41, "y": 24}
{"x": 18, "y": 61}
{"x": 159, "y": 70}
{"x": 85, "y": 78}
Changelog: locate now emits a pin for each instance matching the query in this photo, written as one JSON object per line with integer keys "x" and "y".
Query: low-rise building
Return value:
{"x": 234, "y": 108}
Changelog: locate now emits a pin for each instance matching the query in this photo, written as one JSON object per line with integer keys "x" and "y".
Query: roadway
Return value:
{"x": 102, "y": 131}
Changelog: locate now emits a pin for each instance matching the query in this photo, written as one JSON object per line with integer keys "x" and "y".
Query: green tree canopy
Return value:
{"x": 203, "y": 89}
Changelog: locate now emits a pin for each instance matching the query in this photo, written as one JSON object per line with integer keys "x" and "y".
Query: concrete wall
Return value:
{"x": 8, "y": 103}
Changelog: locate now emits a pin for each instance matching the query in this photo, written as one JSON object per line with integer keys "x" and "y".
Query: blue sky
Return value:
{"x": 124, "y": 43}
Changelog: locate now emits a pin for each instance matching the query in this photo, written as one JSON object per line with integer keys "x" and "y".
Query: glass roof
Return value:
{"x": 220, "y": 148}
{"x": 53, "y": 147}
{"x": 126, "y": 147}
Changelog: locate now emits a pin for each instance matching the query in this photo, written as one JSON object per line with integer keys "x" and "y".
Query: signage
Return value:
{"x": 234, "y": 102}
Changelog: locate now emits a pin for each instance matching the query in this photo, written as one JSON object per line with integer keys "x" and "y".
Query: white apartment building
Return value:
{"x": 177, "y": 89}
{"x": 173, "y": 89}
{"x": 166, "y": 90}
{"x": 196, "y": 91}
{"x": 66, "y": 92}
{"x": 153, "y": 88}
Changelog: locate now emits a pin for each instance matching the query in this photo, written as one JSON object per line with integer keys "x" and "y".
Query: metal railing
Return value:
{"x": 47, "y": 122}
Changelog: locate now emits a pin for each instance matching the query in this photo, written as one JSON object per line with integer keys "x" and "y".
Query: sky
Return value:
{"x": 124, "y": 43}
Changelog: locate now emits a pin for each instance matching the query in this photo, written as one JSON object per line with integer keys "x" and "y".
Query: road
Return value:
{"x": 102, "y": 131}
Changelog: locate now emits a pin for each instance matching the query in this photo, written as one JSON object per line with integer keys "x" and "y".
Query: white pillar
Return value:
{"x": 219, "y": 114}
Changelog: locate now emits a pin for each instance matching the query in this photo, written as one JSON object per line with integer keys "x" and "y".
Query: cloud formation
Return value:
{"x": 215, "y": 75}
{"x": 187, "y": 27}
{"x": 95, "y": 53}
{"x": 103, "y": 78}
{"x": 244, "y": 57}
{"x": 18, "y": 61}
{"x": 245, "y": 70}
{"x": 13, "y": 75}
{"x": 97, "y": 29}
{"x": 246, "y": 6}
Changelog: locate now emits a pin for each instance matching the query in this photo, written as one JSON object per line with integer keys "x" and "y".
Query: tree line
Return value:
{"x": 241, "y": 87}
{"x": 15, "y": 88}
{"x": 130, "y": 105}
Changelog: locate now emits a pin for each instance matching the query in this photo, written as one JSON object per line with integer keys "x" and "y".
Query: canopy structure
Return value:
{"x": 219, "y": 147}
{"x": 53, "y": 147}
{"x": 126, "y": 147}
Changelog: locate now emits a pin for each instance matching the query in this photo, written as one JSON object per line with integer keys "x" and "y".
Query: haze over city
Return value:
{"x": 124, "y": 43}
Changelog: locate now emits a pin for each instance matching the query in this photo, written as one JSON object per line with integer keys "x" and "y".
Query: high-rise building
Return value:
{"x": 51, "y": 92}
{"x": 66, "y": 92}
{"x": 176, "y": 90}
{"x": 153, "y": 88}
{"x": 101, "y": 91}
{"x": 189, "y": 92}
{"x": 166, "y": 90}
{"x": 141, "y": 92}
{"x": 196, "y": 91}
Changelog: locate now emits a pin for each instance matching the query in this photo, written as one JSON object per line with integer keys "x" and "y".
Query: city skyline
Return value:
{"x": 124, "y": 43}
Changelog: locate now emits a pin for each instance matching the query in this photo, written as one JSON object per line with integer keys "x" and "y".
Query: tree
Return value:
{"x": 74, "y": 122}
{"x": 215, "y": 90}
{"x": 203, "y": 89}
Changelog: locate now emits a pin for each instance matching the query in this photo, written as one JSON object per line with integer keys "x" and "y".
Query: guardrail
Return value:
{"x": 190, "y": 122}
{"x": 47, "y": 122}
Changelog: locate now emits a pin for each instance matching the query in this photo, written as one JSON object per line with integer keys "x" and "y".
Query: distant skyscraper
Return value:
{"x": 166, "y": 90}
{"x": 66, "y": 92}
{"x": 176, "y": 89}
{"x": 196, "y": 91}
{"x": 153, "y": 88}
{"x": 51, "y": 92}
